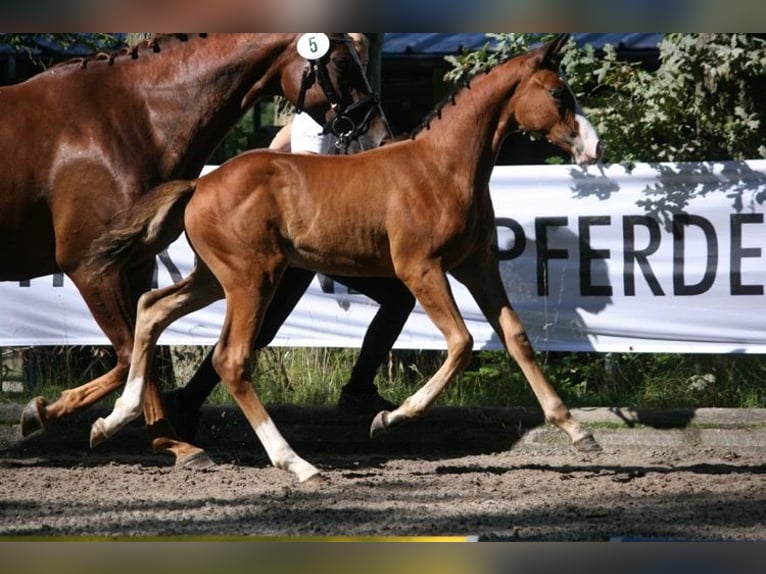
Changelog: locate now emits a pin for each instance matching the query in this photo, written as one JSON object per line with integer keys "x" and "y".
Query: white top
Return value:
{"x": 306, "y": 136}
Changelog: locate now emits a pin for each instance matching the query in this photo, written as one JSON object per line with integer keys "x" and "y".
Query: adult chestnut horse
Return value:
{"x": 86, "y": 139}
{"x": 413, "y": 209}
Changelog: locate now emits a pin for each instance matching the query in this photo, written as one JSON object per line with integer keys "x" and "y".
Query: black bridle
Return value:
{"x": 349, "y": 122}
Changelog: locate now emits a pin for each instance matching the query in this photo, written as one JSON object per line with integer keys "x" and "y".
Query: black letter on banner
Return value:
{"x": 632, "y": 255}
{"x": 519, "y": 242}
{"x": 58, "y": 280}
{"x": 164, "y": 258}
{"x": 587, "y": 255}
{"x": 680, "y": 222}
{"x": 544, "y": 253}
{"x": 738, "y": 253}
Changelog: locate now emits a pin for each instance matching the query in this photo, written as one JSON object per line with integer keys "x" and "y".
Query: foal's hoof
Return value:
{"x": 587, "y": 444}
{"x": 315, "y": 481}
{"x": 379, "y": 424}
{"x": 97, "y": 433}
{"x": 197, "y": 461}
{"x": 33, "y": 416}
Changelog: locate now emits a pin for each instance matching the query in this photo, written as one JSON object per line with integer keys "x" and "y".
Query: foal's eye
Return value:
{"x": 556, "y": 93}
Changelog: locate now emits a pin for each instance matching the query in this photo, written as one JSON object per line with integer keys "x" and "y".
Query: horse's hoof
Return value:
{"x": 197, "y": 461}
{"x": 97, "y": 433}
{"x": 379, "y": 424}
{"x": 587, "y": 444}
{"x": 33, "y": 416}
{"x": 315, "y": 481}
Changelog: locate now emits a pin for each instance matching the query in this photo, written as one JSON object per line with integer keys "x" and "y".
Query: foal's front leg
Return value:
{"x": 482, "y": 278}
{"x": 432, "y": 291}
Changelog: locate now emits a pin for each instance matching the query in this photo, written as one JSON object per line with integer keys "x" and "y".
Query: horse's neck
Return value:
{"x": 197, "y": 88}
{"x": 469, "y": 131}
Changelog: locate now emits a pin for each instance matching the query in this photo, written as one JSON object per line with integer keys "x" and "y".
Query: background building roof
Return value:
{"x": 446, "y": 43}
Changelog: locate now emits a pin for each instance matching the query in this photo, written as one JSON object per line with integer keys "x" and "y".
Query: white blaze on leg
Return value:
{"x": 126, "y": 409}
{"x": 281, "y": 454}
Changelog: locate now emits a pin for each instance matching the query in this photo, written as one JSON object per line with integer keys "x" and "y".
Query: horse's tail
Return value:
{"x": 143, "y": 229}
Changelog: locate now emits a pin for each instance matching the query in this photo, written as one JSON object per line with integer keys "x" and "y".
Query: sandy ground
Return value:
{"x": 530, "y": 491}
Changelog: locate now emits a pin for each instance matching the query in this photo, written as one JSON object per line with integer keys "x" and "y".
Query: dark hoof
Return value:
{"x": 379, "y": 424}
{"x": 587, "y": 444}
{"x": 33, "y": 416}
{"x": 185, "y": 421}
{"x": 197, "y": 461}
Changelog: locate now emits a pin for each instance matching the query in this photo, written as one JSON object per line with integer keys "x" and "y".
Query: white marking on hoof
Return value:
{"x": 98, "y": 432}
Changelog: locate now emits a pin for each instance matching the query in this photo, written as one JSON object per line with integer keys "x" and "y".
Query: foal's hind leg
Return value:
{"x": 244, "y": 313}
{"x": 156, "y": 310}
{"x": 482, "y": 278}
{"x": 112, "y": 304}
{"x": 432, "y": 290}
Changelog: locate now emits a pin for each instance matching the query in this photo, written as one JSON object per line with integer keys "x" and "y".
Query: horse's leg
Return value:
{"x": 432, "y": 290}
{"x": 156, "y": 310}
{"x": 107, "y": 302}
{"x": 482, "y": 278}
{"x": 244, "y": 311}
{"x": 396, "y": 303}
{"x": 183, "y": 404}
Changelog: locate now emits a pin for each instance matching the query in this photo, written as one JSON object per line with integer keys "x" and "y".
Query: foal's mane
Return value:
{"x": 153, "y": 43}
{"x": 460, "y": 85}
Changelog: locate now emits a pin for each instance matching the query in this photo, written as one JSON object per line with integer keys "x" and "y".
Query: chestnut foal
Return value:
{"x": 414, "y": 209}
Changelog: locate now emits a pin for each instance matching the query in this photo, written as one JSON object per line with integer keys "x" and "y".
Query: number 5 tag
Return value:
{"x": 313, "y": 46}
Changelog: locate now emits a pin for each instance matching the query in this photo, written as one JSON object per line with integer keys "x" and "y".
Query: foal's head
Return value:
{"x": 543, "y": 103}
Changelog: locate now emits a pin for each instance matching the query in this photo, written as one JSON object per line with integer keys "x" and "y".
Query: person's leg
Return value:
{"x": 360, "y": 395}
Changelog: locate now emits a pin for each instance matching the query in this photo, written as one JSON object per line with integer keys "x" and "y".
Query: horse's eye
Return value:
{"x": 340, "y": 63}
{"x": 556, "y": 93}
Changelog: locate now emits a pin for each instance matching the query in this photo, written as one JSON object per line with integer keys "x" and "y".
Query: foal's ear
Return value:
{"x": 552, "y": 51}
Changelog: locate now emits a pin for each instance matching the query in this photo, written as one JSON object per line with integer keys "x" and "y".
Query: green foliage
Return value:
{"x": 469, "y": 63}
{"x": 705, "y": 102}
{"x": 314, "y": 376}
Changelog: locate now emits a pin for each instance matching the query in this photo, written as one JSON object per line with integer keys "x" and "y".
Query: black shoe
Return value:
{"x": 365, "y": 402}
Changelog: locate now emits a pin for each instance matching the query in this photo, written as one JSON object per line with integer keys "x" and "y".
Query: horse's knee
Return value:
{"x": 462, "y": 348}
{"x": 231, "y": 369}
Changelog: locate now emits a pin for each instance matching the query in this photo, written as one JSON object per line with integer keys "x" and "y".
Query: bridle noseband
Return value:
{"x": 349, "y": 122}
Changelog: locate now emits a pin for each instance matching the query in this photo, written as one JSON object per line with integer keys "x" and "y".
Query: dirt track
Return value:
{"x": 531, "y": 490}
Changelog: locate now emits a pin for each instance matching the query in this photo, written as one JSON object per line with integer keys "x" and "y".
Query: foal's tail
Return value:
{"x": 143, "y": 229}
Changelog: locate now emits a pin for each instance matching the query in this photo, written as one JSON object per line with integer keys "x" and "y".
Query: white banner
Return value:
{"x": 659, "y": 258}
